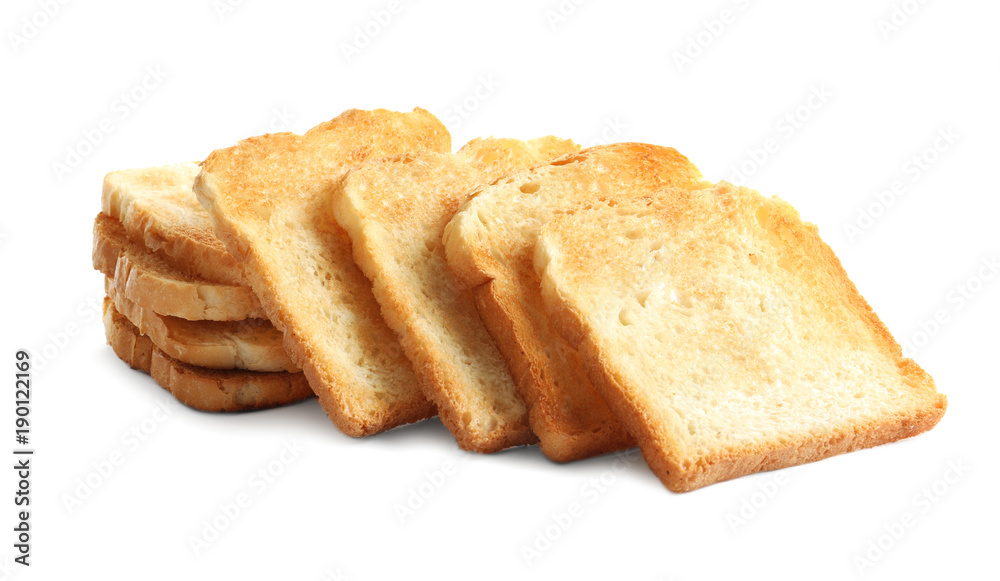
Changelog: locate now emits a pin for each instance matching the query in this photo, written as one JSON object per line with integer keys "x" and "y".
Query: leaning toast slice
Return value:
{"x": 268, "y": 198}
{"x": 725, "y": 334}
{"x": 489, "y": 245}
{"x": 395, "y": 211}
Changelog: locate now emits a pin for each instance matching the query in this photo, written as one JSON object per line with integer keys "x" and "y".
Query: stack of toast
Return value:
{"x": 176, "y": 305}
{"x": 524, "y": 291}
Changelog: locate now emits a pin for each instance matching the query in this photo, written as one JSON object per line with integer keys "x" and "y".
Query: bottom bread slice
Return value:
{"x": 210, "y": 390}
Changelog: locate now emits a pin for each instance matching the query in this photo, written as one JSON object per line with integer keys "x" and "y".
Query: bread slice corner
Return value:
{"x": 157, "y": 207}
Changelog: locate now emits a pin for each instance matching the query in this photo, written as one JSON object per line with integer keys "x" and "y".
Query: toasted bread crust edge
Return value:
{"x": 177, "y": 297}
{"x": 431, "y": 376}
{"x": 196, "y": 387}
{"x": 560, "y": 445}
{"x": 222, "y": 355}
{"x": 744, "y": 461}
{"x": 128, "y": 344}
{"x": 477, "y": 265}
{"x": 212, "y": 390}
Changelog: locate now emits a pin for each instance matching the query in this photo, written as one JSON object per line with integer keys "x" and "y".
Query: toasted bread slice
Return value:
{"x": 148, "y": 280}
{"x": 269, "y": 201}
{"x": 395, "y": 211}
{"x": 157, "y": 207}
{"x": 489, "y": 244}
{"x": 251, "y": 344}
{"x": 208, "y": 390}
{"x": 726, "y": 336}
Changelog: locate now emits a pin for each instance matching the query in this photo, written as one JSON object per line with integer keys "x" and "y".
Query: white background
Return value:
{"x": 608, "y": 67}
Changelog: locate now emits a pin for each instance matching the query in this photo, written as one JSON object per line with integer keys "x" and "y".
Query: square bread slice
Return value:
{"x": 268, "y": 197}
{"x": 209, "y": 390}
{"x": 489, "y": 245}
{"x": 395, "y": 211}
{"x": 147, "y": 279}
{"x": 725, "y": 334}
{"x": 158, "y": 208}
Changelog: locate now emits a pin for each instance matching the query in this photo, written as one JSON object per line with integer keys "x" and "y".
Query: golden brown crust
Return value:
{"x": 209, "y": 390}
{"x": 267, "y": 196}
{"x": 251, "y": 344}
{"x": 152, "y": 282}
{"x": 563, "y": 437}
{"x": 128, "y": 344}
{"x": 217, "y": 390}
{"x": 605, "y": 173}
{"x": 742, "y": 461}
